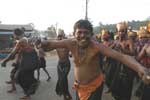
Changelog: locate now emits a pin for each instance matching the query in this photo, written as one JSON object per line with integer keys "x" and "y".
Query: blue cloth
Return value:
{"x": 2, "y": 56}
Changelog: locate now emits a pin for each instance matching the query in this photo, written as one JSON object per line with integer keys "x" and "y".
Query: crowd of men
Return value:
{"x": 120, "y": 79}
{"x": 118, "y": 62}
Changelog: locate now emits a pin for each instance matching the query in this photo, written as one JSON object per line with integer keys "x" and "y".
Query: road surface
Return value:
{"x": 46, "y": 90}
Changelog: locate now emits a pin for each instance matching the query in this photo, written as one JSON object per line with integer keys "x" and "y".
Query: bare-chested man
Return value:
{"x": 105, "y": 37}
{"x": 123, "y": 76}
{"x": 143, "y": 54}
{"x": 109, "y": 64}
{"x": 85, "y": 51}
{"x": 144, "y": 58}
{"x": 28, "y": 62}
{"x": 63, "y": 69}
{"x": 42, "y": 63}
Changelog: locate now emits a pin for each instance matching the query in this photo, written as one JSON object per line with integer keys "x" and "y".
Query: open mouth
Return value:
{"x": 83, "y": 40}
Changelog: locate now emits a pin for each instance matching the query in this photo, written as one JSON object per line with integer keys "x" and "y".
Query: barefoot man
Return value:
{"x": 144, "y": 58}
{"x": 28, "y": 62}
{"x": 63, "y": 69}
{"x": 85, "y": 51}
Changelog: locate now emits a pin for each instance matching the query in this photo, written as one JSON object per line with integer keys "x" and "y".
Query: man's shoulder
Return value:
{"x": 96, "y": 45}
{"x": 23, "y": 40}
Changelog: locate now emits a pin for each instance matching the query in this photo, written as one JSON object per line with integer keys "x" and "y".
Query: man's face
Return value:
{"x": 121, "y": 31}
{"x": 83, "y": 37}
{"x": 105, "y": 36}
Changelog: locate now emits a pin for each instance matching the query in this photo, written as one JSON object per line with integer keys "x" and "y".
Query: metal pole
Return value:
{"x": 86, "y": 10}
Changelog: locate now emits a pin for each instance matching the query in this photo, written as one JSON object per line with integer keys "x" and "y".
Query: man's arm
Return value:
{"x": 54, "y": 44}
{"x": 12, "y": 54}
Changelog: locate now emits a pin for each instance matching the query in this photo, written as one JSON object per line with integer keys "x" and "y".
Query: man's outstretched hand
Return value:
{"x": 146, "y": 77}
{"x": 144, "y": 74}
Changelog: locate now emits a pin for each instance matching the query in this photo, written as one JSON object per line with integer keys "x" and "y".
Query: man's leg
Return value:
{"x": 13, "y": 87}
{"x": 38, "y": 74}
{"x": 12, "y": 82}
{"x": 67, "y": 95}
{"x": 11, "y": 75}
{"x": 49, "y": 77}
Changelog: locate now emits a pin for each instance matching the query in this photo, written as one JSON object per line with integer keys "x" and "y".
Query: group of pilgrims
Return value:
{"x": 119, "y": 64}
{"x": 119, "y": 79}
{"x": 28, "y": 57}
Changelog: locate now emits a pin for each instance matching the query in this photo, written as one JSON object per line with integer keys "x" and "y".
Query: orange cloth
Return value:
{"x": 84, "y": 91}
{"x": 148, "y": 26}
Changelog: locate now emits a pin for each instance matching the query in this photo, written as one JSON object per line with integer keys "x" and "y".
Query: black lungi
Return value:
{"x": 122, "y": 83}
{"x": 25, "y": 73}
{"x": 63, "y": 69}
{"x": 42, "y": 62}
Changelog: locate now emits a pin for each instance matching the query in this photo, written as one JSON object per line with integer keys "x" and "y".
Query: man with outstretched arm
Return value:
{"x": 85, "y": 51}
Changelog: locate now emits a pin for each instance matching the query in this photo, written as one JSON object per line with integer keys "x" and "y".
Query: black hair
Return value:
{"x": 83, "y": 24}
{"x": 18, "y": 32}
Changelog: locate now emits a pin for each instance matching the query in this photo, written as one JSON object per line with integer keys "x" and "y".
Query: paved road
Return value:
{"x": 46, "y": 90}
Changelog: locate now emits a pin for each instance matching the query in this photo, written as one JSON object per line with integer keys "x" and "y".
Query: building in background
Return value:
{"x": 6, "y": 31}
